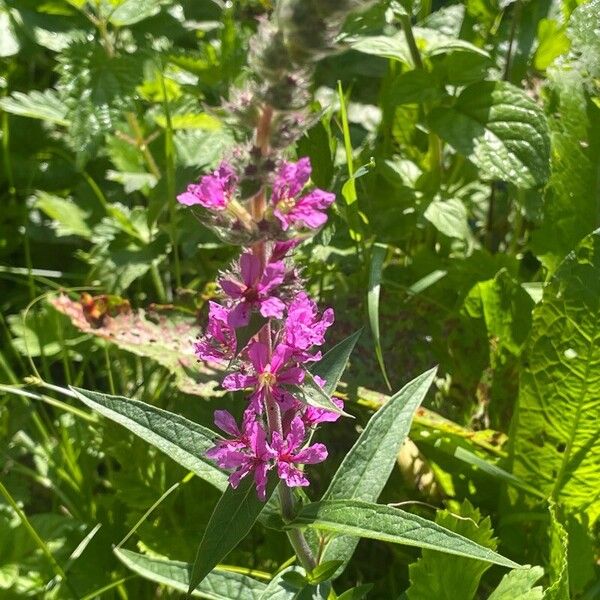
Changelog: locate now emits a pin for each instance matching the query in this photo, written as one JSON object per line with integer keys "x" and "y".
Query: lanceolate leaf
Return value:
{"x": 557, "y": 424}
{"x": 311, "y": 393}
{"x": 379, "y": 522}
{"x": 367, "y": 467}
{"x": 218, "y": 585}
{"x": 184, "y": 441}
{"x": 284, "y": 587}
{"x": 332, "y": 365}
{"x": 378, "y": 255}
{"x": 500, "y": 129}
{"x": 559, "y": 562}
{"x": 230, "y": 522}
{"x": 518, "y": 585}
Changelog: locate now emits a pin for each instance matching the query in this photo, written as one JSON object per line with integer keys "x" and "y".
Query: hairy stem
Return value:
{"x": 286, "y": 498}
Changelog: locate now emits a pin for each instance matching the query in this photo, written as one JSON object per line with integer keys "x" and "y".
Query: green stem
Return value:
{"x": 37, "y": 539}
{"x": 170, "y": 172}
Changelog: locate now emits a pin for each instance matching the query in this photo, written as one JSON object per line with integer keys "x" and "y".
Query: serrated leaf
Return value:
{"x": 450, "y": 218}
{"x": 378, "y": 254}
{"x": 9, "y": 42}
{"x": 500, "y": 129}
{"x": 331, "y": 366}
{"x": 45, "y": 105}
{"x": 447, "y": 577}
{"x": 376, "y": 521}
{"x": 367, "y": 467}
{"x": 184, "y": 441}
{"x": 218, "y": 585}
{"x": 518, "y": 585}
{"x": 68, "y": 218}
{"x": 129, "y": 12}
{"x": 231, "y": 521}
{"x": 557, "y": 423}
{"x": 559, "y": 563}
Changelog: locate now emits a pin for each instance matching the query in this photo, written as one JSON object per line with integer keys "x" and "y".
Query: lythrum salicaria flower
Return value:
{"x": 289, "y": 206}
{"x": 214, "y": 191}
{"x": 219, "y": 341}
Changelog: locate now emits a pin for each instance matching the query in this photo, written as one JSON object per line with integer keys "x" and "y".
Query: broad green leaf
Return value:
{"x": 231, "y": 521}
{"x": 184, "y": 441}
{"x": 313, "y": 394}
{"x": 45, "y": 105}
{"x": 378, "y": 254}
{"x": 552, "y": 42}
{"x": 203, "y": 121}
{"x": 69, "y": 219}
{"x": 500, "y": 129}
{"x": 367, "y": 467}
{"x": 572, "y": 196}
{"x": 557, "y": 423}
{"x": 129, "y": 12}
{"x": 414, "y": 87}
{"x": 519, "y": 585}
{"x": 446, "y": 577}
{"x": 218, "y": 585}
{"x": 9, "y": 42}
{"x": 132, "y": 181}
{"x": 450, "y": 218}
{"x": 334, "y": 361}
{"x": 559, "y": 562}
{"x": 387, "y": 524}
{"x": 430, "y": 43}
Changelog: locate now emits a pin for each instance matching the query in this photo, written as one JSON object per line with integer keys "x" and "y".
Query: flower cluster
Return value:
{"x": 263, "y": 301}
{"x": 291, "y": 213}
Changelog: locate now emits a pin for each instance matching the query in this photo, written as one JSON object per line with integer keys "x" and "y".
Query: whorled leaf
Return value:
{"x": 556, "y": 427}
{"x": 167, "y": 341}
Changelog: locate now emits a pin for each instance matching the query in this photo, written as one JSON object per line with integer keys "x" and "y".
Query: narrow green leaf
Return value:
{"x": 387, "y": 524}
{"x": 233, "y": 517}
{"x": 290, "y": 584}
{"x": 218, "y": 585}
{"x": 500, "y": 129}
{"x": 331, "y": 366}
{"x": 312, "y": 393}
{"x": 323, "y": 571}
{"x": 367, "y": 467}
{"x": 378, "y": 254}
{"x": 184, "y": 441}
{"x": 518, "y": 585}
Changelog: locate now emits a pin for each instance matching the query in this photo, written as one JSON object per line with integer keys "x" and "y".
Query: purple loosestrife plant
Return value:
{"x": 276, "y": 426}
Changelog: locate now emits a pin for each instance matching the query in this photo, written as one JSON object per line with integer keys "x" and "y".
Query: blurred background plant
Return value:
{"x": 463, "y": 143}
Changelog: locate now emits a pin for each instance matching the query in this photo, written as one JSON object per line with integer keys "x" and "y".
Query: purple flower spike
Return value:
{"x": 214, "y": 191}
{"x": 218, "y": 343}
{"x": 254, "y": 290}
{"x": 287, "y": 455}
{"x": 313, "y": 416}
{"x": 293, "y": 210}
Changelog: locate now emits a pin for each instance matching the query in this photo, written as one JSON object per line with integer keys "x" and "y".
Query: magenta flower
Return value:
{"x": 303, "y": 328}
{"x": 313, "y": 416}
{"x": 214, "y": 191}
{"x": 268, "y": 376}
{"x": 218, "y": 342}
{"x": 292, "y": 209}
{"x": 254, "y": 290}
{"x": 287, "y": 456}
{"x": 247, "y": 452}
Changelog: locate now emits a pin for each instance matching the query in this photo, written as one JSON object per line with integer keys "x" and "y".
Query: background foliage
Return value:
{"x": 463, "y": 143}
